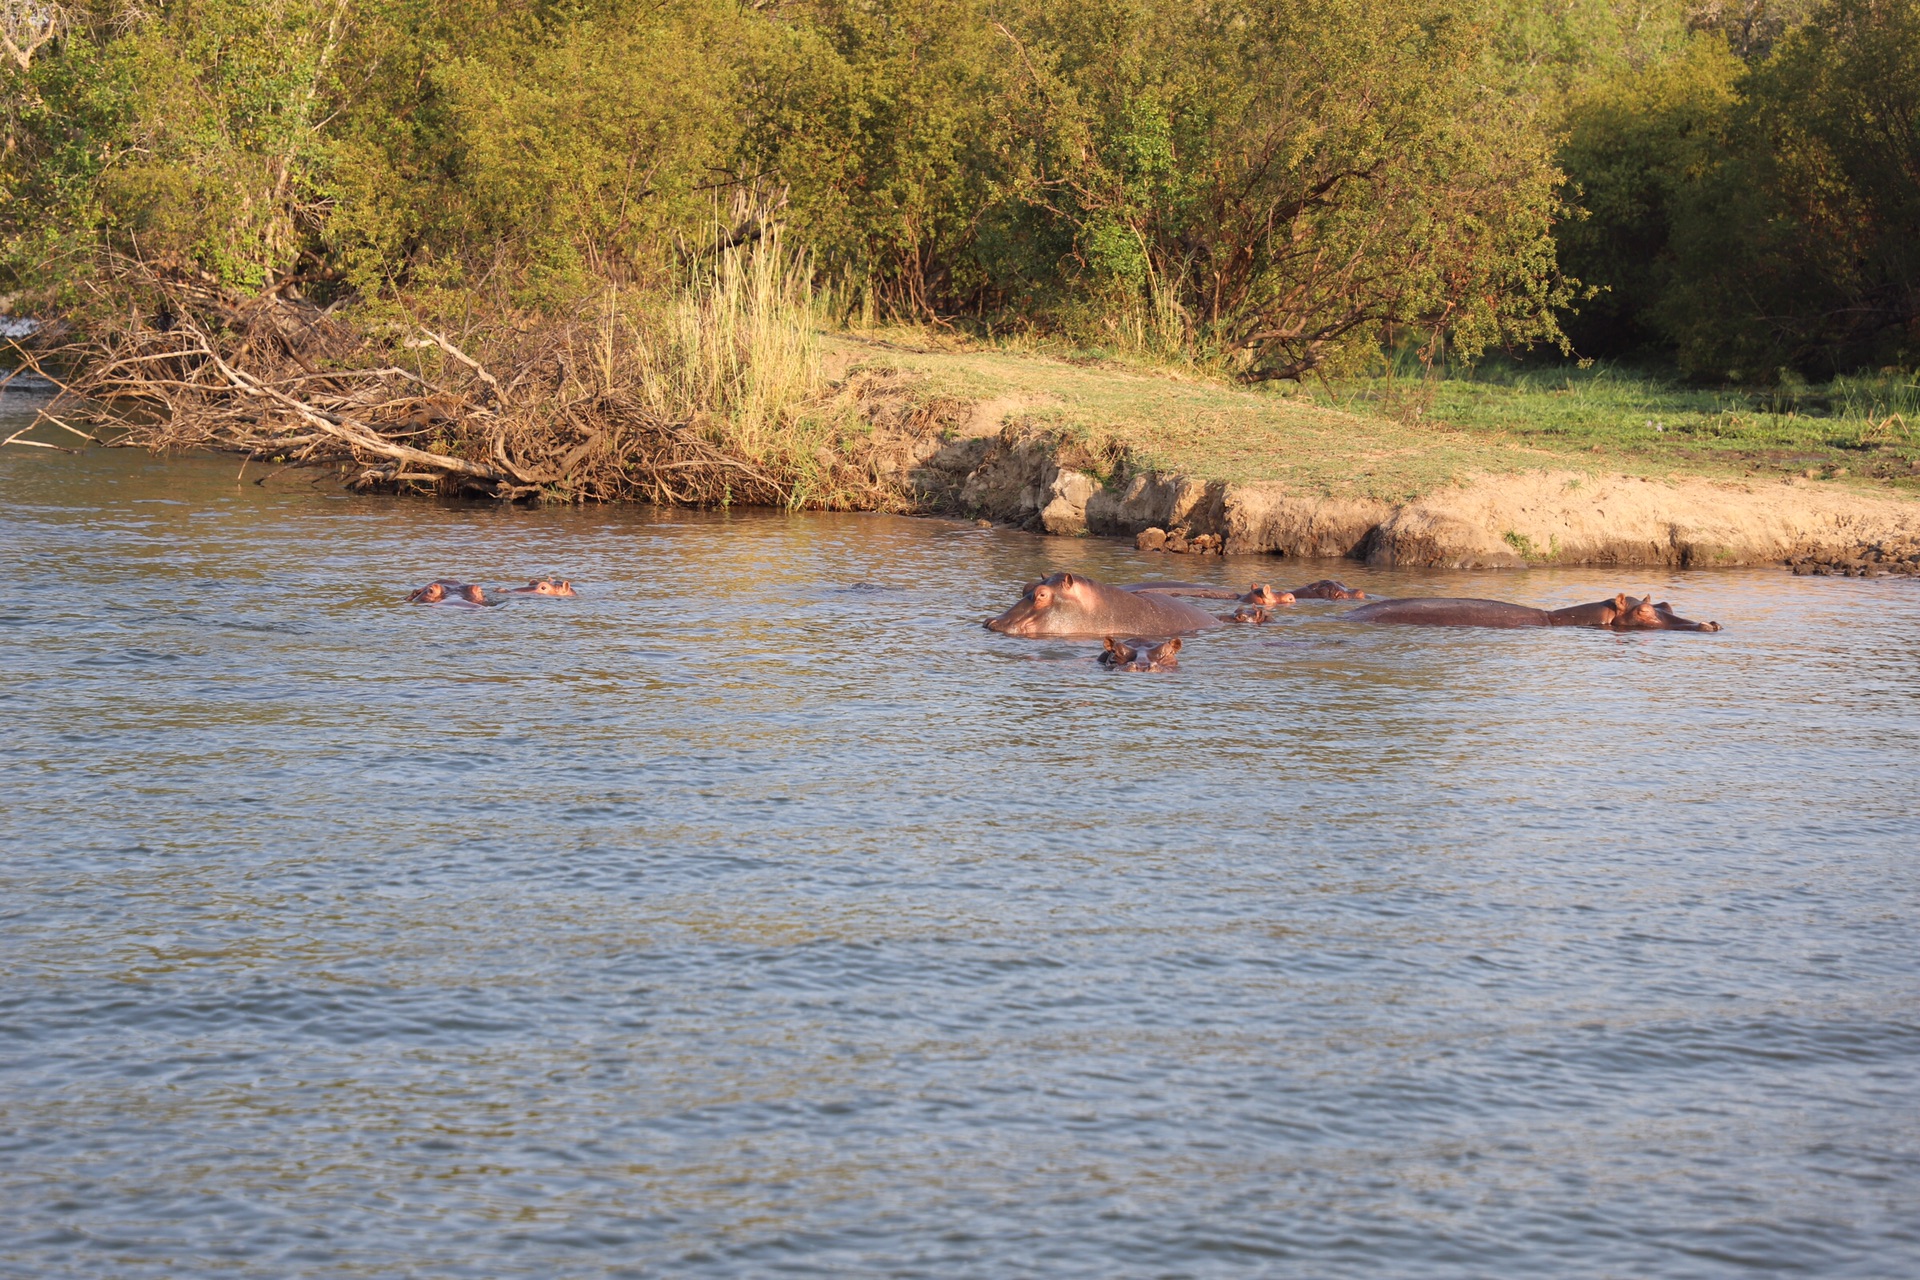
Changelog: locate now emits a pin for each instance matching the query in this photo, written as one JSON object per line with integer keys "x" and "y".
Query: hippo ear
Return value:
{"x": 1066, "y": 581}
{"x": 1168, "y": 649}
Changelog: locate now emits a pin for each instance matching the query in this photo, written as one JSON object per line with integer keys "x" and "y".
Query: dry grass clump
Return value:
{"x": 712, "y": 394}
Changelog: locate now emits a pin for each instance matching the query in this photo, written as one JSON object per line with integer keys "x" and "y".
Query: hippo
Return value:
{"x": 1256, "y": 616}
{"x": 1068, "y": 604}
{"x": 443, "y": 591}
{"x": 1622, "y": 613}
{"x": 1134, "y": 655}
{"x": 545, "y": 587}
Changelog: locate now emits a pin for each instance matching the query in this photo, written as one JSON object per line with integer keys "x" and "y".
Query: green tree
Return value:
{"x": 1637, "y": 142}
{"x": 1300, "y": 176}
{"x": 1800, "y": 248}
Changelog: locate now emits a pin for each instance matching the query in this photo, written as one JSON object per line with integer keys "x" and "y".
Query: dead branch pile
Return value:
{"x": 518, "y": 410}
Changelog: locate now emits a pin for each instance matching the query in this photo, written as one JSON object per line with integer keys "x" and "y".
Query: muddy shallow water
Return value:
{"x": 760, "y": 913}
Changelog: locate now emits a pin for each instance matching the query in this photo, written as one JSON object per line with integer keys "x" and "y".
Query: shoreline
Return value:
{"x": 1022, "y": 441}
{"x": 1003, "y": 453}
{"x": 1520, "y": 521}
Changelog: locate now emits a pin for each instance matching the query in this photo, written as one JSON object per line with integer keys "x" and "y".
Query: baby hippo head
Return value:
{"x": 1255, "y": 616}
{"x": 549, "y": 587}
{"x": 1134, "y": 655}
{"x": 432, "y": 593}
{"x": 1265, "y": 596}
{"x": 1053, "y": 606}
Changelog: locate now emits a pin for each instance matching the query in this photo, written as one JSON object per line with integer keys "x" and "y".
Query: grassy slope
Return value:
{"x": 1393, "y": 439}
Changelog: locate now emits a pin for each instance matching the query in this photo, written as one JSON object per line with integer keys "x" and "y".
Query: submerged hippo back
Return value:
{"x": 1444, "y": 612}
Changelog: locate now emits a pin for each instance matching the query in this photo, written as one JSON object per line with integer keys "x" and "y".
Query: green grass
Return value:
{"x": 1867, "y": 425}
{"x": 1396, "y": 436}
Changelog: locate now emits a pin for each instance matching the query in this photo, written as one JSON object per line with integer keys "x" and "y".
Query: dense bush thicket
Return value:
{"x": 1272, "y": 181}
{"x": 1278, "y": 185}
{"x": 1753, "y": 189}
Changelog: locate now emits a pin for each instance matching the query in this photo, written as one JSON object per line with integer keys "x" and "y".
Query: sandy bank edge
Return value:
{"x": 1504, "y": 521}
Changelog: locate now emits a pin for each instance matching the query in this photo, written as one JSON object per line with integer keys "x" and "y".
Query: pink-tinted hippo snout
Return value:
{"x": 1021, "y": 620}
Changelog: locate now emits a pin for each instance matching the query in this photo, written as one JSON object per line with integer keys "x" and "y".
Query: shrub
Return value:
{"x": 1800, "y": 247}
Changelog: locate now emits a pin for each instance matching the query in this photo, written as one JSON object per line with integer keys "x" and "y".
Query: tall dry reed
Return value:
{"x": 737, "y": 349}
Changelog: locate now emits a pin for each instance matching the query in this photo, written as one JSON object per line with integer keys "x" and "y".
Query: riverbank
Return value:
{"x": 1183, "y": 464}
{"x": 1459, "y": 472}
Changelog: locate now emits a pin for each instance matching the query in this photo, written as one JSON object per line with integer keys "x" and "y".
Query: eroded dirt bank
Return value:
{"x": 1013, "y": 473}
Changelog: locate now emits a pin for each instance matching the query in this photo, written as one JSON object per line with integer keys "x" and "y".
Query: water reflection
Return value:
{"x": 759, "y": 912}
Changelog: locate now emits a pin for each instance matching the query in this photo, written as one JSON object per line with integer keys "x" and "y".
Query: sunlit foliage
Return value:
{"x": 1267, "y": 187}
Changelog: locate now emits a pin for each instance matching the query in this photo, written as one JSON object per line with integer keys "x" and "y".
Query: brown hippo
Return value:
{"x": 443, "y": 591}
{"x": 545, "y": 587}
{"x": 1134, "y": 655}
{"x": 1068, "y": 604}
{"x": 1622, "y": 613}
{"x": 1257, "y": 616}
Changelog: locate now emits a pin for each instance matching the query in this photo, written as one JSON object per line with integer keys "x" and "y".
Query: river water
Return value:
{"x": 759, "y": 913}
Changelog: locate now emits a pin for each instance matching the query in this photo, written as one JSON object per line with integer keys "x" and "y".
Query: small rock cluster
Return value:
{"x": 1181, "y": 540}
{"x": 1868, "y": 562}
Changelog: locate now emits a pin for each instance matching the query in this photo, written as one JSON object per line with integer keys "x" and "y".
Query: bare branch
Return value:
{"x": 27, "y": 25}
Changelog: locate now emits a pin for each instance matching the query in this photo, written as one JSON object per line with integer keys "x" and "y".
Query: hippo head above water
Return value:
{"x": 1041, "y": 603}
{"x": 558, "y": 587}
{"x": 1624, "y": 613}
{"x": 1265, "y": 596}
{"x": 1643, "y": 614}
{"x": 1134, "y": 655}
{"x": 432, "y": 593}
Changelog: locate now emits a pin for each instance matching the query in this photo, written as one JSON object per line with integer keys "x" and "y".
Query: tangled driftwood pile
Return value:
{"x": 510, "y": 412}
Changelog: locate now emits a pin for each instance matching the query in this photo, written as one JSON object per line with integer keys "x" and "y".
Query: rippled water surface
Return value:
{"x": 759, "y": 913}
